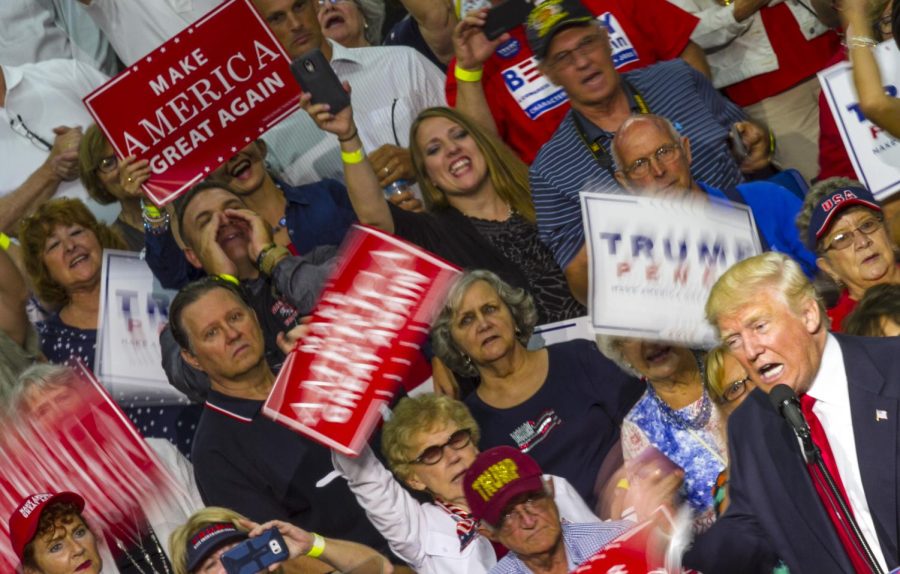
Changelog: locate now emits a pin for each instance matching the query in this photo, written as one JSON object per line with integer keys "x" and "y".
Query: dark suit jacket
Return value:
{"x": 775, "y": 511}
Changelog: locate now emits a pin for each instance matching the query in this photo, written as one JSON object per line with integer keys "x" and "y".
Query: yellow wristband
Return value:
{"x": 771, "y": 143}
{"x": 4, "y": 241}
{"x": 152, "y": 211}
{"x": 464, "y": 75}
{"x": 353, "y": 157}
{"x": 318, "y": 546}
{"x": 229, "y": 278}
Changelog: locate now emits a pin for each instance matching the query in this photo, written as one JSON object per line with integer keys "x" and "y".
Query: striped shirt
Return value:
{"x": 581, "y": 541}
{"x": 565, "y": 166}
{"x": 391, "y": 85}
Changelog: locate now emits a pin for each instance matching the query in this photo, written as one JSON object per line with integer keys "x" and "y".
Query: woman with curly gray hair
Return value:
{"x": 562, "y": 404}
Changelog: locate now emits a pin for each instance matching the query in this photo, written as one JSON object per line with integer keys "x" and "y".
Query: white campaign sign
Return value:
{"x": 133, "y": 310}
{"x": 875, "y": 154}
{"x": 652, "y": 262}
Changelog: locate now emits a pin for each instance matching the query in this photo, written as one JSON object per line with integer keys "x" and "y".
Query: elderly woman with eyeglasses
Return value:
{"x": 673, "y": 427}
{"x": 562, "y": 404}
{"x": 108, "y": 180}
{"x": 429, "y": 443}
{"x": 843, "y": 223}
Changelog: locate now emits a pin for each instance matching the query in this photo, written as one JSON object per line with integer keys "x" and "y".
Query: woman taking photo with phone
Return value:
{"x": 480, "y": 214}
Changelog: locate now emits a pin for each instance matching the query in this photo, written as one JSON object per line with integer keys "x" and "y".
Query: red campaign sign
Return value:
{"x": 364, "y": 338}
{"x": 195, "y": 101}
{"x": 72, "y": 436}
{"x": 640, "y": 550}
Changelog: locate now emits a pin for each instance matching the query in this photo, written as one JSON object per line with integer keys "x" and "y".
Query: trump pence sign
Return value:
{"x": 192, "y": 103}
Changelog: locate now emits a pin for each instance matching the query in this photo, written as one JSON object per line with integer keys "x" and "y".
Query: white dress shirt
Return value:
{"x": 832, "y": 406}
{"x": 391, "y": 85}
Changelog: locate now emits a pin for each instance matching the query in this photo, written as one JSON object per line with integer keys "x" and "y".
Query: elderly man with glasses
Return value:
{"x": 652, "y": 158}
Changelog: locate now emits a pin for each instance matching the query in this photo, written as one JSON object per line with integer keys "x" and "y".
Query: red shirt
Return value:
{"x": 798, "y": 58}
{"x": 833, "y": 158}
{"x": 841, "y": 309}
{"x": 527, "y": 108}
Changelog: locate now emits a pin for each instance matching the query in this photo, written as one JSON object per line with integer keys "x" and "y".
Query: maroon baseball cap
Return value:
{"x": 830, "y": 205}
{"x": 23, "y": 523}
{"x": 496, "y": 477}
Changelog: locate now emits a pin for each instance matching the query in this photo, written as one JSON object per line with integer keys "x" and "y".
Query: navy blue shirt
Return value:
{"x": 265, "y": 471}
{"x": 565, "y": 166}
{"x": 572, "y": 422}
{"x": 316, "y": 214}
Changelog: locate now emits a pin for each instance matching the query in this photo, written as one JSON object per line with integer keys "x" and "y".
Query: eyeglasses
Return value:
{"x": 845, "y": 239}
{"x": 433, "y": 454}
{"x": 664, "y": 154}
{"x": 734, "y": 391}
{"x": 884, "y": 25}
{"x": 108, "y": 164}
{"x": 517, "y": 510}
{"x": 18, "y": 125}
{"x": 323, "y": 3}
{"x": 583, "y": 48}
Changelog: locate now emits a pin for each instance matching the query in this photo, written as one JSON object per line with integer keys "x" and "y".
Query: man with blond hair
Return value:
{"x": 768, "y": 315}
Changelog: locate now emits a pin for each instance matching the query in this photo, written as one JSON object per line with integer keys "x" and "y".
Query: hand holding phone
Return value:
{"x": 316, "y": 76}
{"x": 256, "y": 554}
{"x": 506, "y": 16}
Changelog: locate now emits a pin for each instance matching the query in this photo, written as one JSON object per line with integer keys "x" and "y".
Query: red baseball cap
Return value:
{"x": 23, "y": 523}
{"x": 497, "y": 476}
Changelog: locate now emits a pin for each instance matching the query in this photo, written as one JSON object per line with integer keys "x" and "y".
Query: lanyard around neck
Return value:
{"x": 599, "y": 152}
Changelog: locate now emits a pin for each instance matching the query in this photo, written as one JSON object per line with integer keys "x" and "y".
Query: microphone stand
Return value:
{"x": 812, "y": 452}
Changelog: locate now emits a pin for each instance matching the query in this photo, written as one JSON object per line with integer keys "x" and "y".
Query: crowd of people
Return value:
{"x": 519, "y": 457}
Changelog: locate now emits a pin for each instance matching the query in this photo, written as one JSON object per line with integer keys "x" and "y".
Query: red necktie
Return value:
{"x": 849, "y": 541}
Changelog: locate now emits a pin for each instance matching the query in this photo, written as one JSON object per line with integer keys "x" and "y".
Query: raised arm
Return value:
{"x": 436, "y": 20}
{"x": 61, "y": 165}
{"x": 878, "y": 107}
{"x": 362, "y": 184}
{"x": 13, "y": 296}
{"x": 473, "y": 49}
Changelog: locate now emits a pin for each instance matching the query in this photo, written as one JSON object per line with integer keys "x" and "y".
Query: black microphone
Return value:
{"x": 786, "y": 403}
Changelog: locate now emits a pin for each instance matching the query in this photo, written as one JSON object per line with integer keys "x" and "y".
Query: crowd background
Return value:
{"x": 474, "y": 149}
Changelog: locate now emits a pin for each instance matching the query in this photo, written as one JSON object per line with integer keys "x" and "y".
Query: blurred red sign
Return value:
{"x": 69, "y": 434}
{"x": 364, "y": 338}
{"x": 192, "y": 103}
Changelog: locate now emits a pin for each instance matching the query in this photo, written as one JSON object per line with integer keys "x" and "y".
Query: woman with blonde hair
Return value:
{"x": 480, "y": 211}
{"x": 197, "y": 546}
{"x": 429, "y": 443}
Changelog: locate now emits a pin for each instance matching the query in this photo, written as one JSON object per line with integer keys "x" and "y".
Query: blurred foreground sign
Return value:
{"x": 134, "y": 308}
{"x": 874, "y": 153}
{"x": 68, "y": 434}
{"x": 364, "y": 337}
{"x": 652, "y": 262}
{"x": 192, "y": 103}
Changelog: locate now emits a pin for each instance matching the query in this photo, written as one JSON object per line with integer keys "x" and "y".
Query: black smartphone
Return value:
{"x": 316, "y": 76}
{"x": 255, "y": 555}
{"x": 506, "y": 16}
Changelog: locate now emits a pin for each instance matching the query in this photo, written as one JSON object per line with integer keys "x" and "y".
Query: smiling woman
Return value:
{"x": 62, "y": 245}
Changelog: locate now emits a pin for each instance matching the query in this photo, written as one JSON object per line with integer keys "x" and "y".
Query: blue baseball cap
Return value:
{"x": 828, "y": 207}
{"x": 209, "y": 538}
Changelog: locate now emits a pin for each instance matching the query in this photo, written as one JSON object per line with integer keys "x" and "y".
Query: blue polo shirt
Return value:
{"x": 251, "y": 464}
{"x": 316, "y": 214}
{"x": 565, "y": 166}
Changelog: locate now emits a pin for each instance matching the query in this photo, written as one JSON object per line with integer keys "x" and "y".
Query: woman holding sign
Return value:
{"x": 429, "y": 443}
{"x": 477, "y": 193}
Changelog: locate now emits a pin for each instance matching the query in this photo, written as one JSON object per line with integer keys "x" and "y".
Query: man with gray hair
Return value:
{"x": 770, "y": 318}
{"x": 652, "y": 158}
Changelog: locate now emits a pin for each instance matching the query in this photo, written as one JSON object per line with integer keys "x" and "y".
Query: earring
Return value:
{"x": 518, "y": 332}
{"x": 468, "y": 360}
